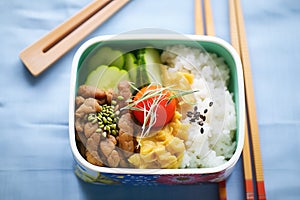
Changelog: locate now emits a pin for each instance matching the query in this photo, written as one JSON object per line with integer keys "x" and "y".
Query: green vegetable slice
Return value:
{"x": 149, "y": 63}
{"x": 131, "y": 66}
{"x": 106, "y": 56}
{"x": 94, "y": 77}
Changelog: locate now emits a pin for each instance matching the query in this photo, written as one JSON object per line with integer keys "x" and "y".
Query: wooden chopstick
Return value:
{"x": 250, "y": 101}
{"x": 208, "y": 29}
{"x": 248, "y": 178}
{"x": 222, "y": 190}
{"x": 199, "y": 25}
{"x": 209, "y": 22}
{"x": 43, "y": 53}
{"x": 202, "y": 28}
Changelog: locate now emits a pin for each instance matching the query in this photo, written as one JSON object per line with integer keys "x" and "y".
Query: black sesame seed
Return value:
{"x": 189, "y": 114}
{"x": 201, "y": 130}
{"x": 205, "y": 111}
{"x": 203, "y": 117}
{"x": 211, "y": 103}
{"x": 200, "y": 123}
{"x": 192, "y": 120}
{"x": 195, "y": 108}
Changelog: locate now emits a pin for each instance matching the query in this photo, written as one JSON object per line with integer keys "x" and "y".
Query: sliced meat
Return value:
{"x": 92, "y": 142}
{"x": 90, "y": 105}
{"x": 88, "y": 91}
{"x": 90, "y": 128}
{"x": 124, "y": 89}
{"x": 113, "y": 159}
{"x": 107, "y": 147}
{"x": 78, "y": 101}
{"x": 81, "y": 137}
{"x": 97, "y": 149}
{"x": 126, "y": 124}
{"x": 79, "y": 125}
{"x": 112, "y": 139}
{"x": 126, "y": 132}
{"x": 123, "y": 160}
{"x": 109, "y": 96}
{"x": 94, "y": 158}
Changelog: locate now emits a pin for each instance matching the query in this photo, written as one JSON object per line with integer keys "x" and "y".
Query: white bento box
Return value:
{"x": 106, "y": 175}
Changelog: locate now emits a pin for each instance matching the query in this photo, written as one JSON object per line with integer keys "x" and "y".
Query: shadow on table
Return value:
{"x": 185, "y": 192}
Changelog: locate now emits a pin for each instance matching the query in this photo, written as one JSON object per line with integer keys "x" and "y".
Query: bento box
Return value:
{"x": 210, "y": 136}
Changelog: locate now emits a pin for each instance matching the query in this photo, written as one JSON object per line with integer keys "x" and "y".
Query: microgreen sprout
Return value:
{"x": 158, "y": 95}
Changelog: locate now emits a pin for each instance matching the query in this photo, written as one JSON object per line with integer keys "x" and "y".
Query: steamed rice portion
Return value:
{"x": 211, "y": 76}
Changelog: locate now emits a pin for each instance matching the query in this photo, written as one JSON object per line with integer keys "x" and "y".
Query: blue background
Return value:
{"x": 36, "y": 161}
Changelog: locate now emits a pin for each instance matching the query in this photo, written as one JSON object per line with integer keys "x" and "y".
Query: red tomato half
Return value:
{"x": 164, "y": 111}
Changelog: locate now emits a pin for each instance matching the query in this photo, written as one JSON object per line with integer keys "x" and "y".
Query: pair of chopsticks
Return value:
{"x": 43, "y": 53}
{"x": 204, "y": 25}
{"x": 239, "y": 42}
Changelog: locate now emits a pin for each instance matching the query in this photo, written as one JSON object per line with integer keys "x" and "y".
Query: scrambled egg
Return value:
{"x": 164, "y": 149}
{"x": 180, "y": 81}
{"x": 189, "y": 77}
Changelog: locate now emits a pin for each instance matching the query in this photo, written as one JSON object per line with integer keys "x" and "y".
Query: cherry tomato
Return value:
{"x": 163, "y": 111}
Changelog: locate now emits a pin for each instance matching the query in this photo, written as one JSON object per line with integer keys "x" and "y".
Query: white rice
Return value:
{"x": 217, "y": 144}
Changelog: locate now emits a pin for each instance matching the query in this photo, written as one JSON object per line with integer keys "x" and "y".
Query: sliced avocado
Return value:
{"x": 94, "y": 77}
{"x": 106, "y": 56}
